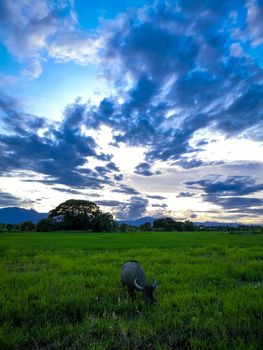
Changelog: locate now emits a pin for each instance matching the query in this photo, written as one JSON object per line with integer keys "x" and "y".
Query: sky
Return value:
{"x": 148, "y": 108}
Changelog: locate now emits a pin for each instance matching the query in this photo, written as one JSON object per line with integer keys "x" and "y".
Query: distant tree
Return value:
{"x": 75, "y": 214}
{"x": 10, "y": 227}
{"x": 103, "y": 222}
{"x": 178, "y": 226}
{"x": 126, "y": 228}
{"x": 189, "y": 226}
{"x": 81, "y": 215}
{"x": 164, "y": 224}
{"x": 27, "y": 226}
{"x": 115, "y": 226}
{"x": 3, "y": 227}
{"x": 46, "y": 225}
{"x": 147, "y": 226}
{"x": 169, "y": 224}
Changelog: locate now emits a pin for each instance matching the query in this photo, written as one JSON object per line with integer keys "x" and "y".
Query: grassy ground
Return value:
{"x": 63, "y": 291}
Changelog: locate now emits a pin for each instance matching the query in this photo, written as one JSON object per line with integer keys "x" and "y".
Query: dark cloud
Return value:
{"x": 245, "y": 111}
{"x": 110, "y": 203}
{"x": 112, "y": 166}
{"x": 104, "y": 157}
{"x": 9, "y": 200}
{"x": 156, "y": 197}
{"x": 15, "y": 120}
{"x": 67, "y": 190}
{"x": 101, "y": 170}
{"x": 161, "y": 205}
{"x": 145, "y": 170}
{"x": 118, "y": 177}
{"x": 126, "y": 189}
{"x": 148, "y": 49}
{"x": 248, "y": 211}
{"x": 185, "y": 194}
{"x": 244, "y": 167}
{"x": 134, "y": 209}
{"x": 230, "y": 193}
{"x": 131, "y": 209}
{"x": 176, "y": 59}
{"x": 231, "y": 186}
{"x": 60, "y": 153}
{"x": 203, "y": 143}
{"x": 108, "y": 168}
{"x": 239, "y": 202}
{"x": 190, "y": 163}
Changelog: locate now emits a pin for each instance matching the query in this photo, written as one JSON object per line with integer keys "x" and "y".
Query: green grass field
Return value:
{"x": 63, "y": 291}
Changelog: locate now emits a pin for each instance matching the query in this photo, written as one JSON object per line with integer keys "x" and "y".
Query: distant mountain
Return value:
{"x": 13, "y": 215}
{"x": 137, "y": 222}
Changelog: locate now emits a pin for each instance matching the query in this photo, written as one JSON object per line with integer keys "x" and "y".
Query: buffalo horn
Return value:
{"x": 155, "y": 283}
{"x": 137, "y": 285}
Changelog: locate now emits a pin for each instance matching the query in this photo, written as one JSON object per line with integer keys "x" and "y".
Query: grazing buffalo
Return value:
{"x": 133, "y": 276}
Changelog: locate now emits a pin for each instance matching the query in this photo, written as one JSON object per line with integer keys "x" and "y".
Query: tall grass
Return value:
{"x": 63, "y": 291}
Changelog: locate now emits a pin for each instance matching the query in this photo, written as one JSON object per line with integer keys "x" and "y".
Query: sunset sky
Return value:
{"x": 148, "y": 108}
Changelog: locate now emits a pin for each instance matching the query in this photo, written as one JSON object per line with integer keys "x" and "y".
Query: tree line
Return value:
{"x": 82, "y": 215}
{"x": 77, "y": 215}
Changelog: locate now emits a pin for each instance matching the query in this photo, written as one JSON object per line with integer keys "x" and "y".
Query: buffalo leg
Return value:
{"x": 131, "y": 293}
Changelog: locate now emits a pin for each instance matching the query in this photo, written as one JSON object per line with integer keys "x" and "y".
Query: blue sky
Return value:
{"x": 145, "y": 107}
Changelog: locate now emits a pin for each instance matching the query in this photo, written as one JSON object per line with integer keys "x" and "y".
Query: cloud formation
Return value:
{"x": 58, "y": 151}
{"x": 9, "y": 200}
{"x": 145, "y": 170}
{"x": 230, "y": 193}
{"x": 174, "y": 70}
{"x": 176, "y": 75}
{"x": 168, "y": 59}
{"x": 134, "y": 209}
{"x": 31, "y": 31}
{"x": 185, "y": 194}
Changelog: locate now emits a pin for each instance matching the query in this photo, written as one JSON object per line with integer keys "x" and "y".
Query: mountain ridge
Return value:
{"x": 16, "y": 215}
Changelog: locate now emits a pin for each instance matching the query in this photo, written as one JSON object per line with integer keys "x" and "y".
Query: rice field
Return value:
{"x": 63, "y": 291}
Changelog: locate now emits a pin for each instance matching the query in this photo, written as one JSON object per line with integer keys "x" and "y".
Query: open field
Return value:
{"x": 62, "y": 291}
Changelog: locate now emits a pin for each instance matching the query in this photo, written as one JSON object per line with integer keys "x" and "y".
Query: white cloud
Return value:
{"x": 33, "y": 30}
{"x": 236, "y": 50}
{"x": 254, "y": 22}
{"x": 231, "y": 149}
{"x": 33, "y": 70}
{"x": 81, "y": 49}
